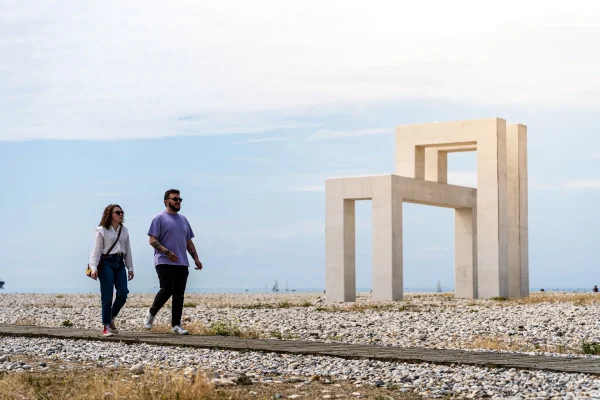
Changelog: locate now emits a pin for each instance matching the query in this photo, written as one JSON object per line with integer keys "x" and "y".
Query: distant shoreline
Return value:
{"x": 265, "y": 290}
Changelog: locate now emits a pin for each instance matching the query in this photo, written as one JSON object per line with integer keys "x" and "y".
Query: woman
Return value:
{"x": 110, "y": 256}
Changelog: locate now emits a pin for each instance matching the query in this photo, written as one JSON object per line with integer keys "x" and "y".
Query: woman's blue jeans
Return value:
{"x": 112, "y": 274}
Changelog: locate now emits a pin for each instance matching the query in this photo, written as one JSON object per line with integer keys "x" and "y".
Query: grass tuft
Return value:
{"x": 283, "y": 336}
{"x": 281, "y": 304}
{"x": 225, "y": 328}
{"x": 590, "y": 348}
{"x": 25, "y": 321}
{"x": 499, "y": 343}
{"x": 114, "y": 386}
{"x": 219, "y": 328}
{"x": 577, "y": 298}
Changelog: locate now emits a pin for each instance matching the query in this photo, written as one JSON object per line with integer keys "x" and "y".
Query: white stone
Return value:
{"x": 222, "y": 382}
{"x": 137, "y": 369}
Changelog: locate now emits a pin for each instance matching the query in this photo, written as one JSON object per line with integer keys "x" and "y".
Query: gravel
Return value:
{"x": 430, "y": 321}
{"x": 227, "y": 366}
{"x": 423, "y": 321}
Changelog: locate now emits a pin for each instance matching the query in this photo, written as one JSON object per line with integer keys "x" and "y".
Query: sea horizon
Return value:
{"x": 224, "y": 290}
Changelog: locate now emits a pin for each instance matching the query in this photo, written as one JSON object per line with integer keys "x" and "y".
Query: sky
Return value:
{"x": 247, "y": 107}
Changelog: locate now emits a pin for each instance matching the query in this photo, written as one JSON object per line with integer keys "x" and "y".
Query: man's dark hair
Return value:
{"x": 170, "y": 192}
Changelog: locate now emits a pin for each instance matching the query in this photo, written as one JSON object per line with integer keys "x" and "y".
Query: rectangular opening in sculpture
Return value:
{"x": 428, "y": 247}
{"x": 363, "y": 244}
{"x": 462, "y": 168}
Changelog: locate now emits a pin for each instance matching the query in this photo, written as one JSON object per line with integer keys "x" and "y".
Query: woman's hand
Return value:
{"x": 129, "y": 275}
{"x": 94, "y": 275}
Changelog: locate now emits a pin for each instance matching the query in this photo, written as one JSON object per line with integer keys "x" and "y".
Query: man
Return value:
{"x": 171, "y": 235}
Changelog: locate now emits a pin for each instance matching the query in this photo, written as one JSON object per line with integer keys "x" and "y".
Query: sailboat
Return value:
{"x": 2, "y": 283}
{"x": 276, "y": 287}
{"x": 287, "y": 288}
{"x": 439, "y": 287}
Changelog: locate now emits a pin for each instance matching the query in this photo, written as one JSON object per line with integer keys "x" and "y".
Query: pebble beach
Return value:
{"x": 557, "y": 324}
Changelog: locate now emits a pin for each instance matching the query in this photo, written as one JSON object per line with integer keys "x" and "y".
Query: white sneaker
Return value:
{"x": 178, "y": 329}
{"x": 148, "y": 321}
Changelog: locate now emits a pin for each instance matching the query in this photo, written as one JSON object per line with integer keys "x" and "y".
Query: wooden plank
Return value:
{"x": 341, "y": 350}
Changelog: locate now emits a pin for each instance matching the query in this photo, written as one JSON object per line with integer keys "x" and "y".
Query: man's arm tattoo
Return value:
{"x": 159, "y": 246}
{"x": 192, "y": 249}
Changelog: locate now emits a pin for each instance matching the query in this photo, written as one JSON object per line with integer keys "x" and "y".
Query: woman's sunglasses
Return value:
{"x": 119, "y": 212}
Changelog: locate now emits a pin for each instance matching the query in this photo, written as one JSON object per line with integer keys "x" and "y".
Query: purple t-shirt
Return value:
{"x": 173, "y": 231}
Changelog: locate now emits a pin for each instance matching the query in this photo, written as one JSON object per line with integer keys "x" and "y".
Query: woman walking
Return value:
{"x": 110, "y": 257}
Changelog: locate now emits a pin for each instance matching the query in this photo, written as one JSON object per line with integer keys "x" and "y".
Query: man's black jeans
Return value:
{"x": 173, "y": 279}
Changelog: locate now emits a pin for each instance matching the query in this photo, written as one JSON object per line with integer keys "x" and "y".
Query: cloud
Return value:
{"x": 588, "y": 156}
{"x": 327, "y": 134}
{"x": 432, "y": 253}
{"x": 104, "y": 194}
{"x": 584, "y": 184}
{"x": 314, "y": 188}
{"x": 437, "y": 249}
{"x": 269, "y": 139}
{"x": 85, "y": 70}
{"x": 576, "y": 184}
{"x": 306, "y": 228}
{"x": 107, "y": 183}
{"x": 468, "y": 179}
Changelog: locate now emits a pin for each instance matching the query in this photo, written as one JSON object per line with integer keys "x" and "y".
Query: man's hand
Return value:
{"x": 94, "y": 275}
{"x": 192, "y": 250}
{"x": 171, "y": 256}
{"x": 129, "y": 275}
{"x": 162, "y": 249}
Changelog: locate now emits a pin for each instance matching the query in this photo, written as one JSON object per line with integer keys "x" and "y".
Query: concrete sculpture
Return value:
{"x": 491, "y": 248}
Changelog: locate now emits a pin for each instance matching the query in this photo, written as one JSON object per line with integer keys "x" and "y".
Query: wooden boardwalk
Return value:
{"x": 349, "y": 351}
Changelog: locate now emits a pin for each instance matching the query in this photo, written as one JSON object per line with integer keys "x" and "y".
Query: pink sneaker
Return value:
{"x": 107, "y": 331}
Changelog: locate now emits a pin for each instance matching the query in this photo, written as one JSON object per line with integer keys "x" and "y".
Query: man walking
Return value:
{"x": 171, "y": 235}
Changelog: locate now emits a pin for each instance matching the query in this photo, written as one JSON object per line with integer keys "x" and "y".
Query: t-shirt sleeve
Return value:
{"x": 190, "y": 233}
{"x": 154, "y": 227}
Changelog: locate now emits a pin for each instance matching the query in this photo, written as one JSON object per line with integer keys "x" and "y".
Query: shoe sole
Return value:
{"x": 108, "y": 334}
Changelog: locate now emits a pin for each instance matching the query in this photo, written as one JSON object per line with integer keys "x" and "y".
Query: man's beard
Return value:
{"x": 174, "y": 208}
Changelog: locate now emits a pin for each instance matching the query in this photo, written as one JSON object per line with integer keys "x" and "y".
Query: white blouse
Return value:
{"x": 102, "y": 242}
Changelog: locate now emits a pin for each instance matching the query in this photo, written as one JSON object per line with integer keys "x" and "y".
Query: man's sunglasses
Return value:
{"x": 179, "y": 199}
{"x": 119, "y": 212}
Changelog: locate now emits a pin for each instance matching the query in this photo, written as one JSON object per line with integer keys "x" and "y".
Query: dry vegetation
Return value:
{"x": 103, "y": 384}
{"x": 579, "y": 299}
{"x": 25, "y": 321}
{"x": 219, "y": 328}
{"x": 298, "y": 299}
{"x": 108, "y": 386}
{"x": 499, "y": 343}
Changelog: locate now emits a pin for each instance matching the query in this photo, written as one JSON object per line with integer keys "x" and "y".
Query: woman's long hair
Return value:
{"x": 107, "y": 216}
